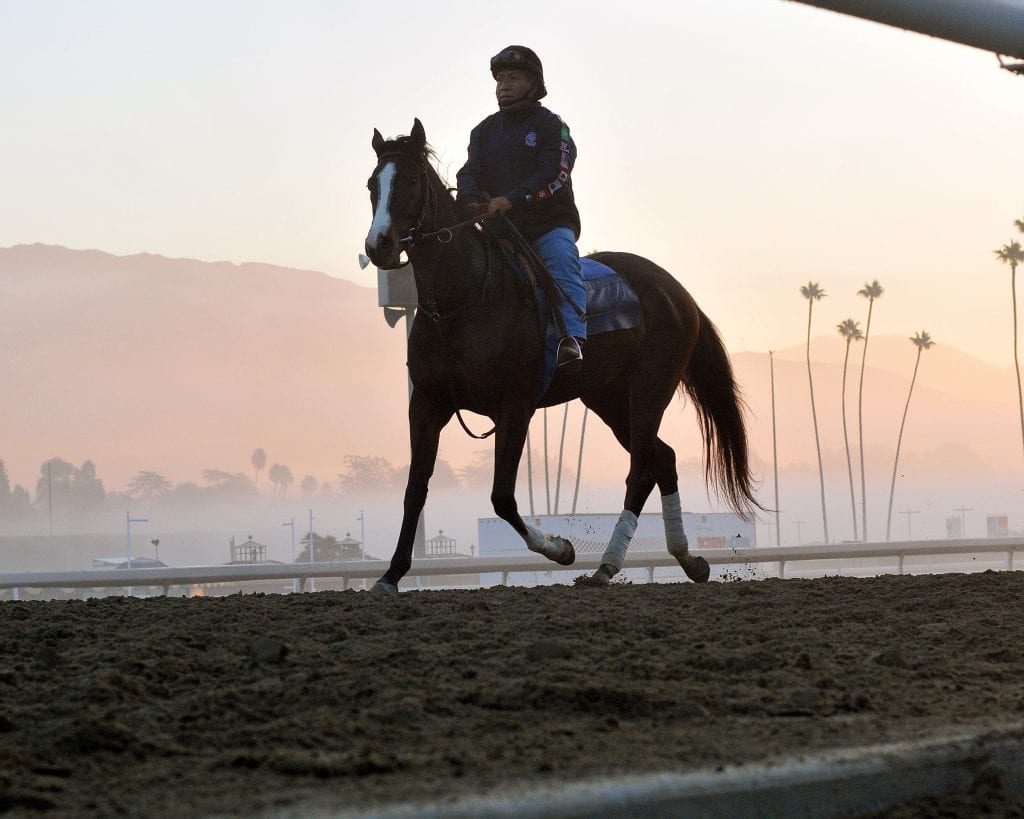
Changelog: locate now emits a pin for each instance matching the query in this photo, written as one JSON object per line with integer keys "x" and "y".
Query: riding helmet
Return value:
{"x": 520, "y": 58}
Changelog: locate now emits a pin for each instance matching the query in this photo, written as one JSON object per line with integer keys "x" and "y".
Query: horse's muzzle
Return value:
{"x": 386, "y": 254}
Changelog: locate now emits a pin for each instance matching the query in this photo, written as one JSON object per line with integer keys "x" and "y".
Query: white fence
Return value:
{"x": 347, "y": 571}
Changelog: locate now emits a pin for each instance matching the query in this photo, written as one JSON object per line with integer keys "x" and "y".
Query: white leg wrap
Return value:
{"x": 553, "y": 548}
{"x": 535, "y": 540}
{"x": 615, "y": 554}
{"x": 672, "y": 514}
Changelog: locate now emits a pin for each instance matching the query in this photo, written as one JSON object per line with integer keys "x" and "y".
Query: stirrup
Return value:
{"x": 568, "y": 352}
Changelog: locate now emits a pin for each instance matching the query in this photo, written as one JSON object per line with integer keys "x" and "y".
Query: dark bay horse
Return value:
{"x": 477, "y": 344}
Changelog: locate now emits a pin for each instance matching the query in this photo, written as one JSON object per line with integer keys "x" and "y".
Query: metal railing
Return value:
{"x": 347, "y": 571}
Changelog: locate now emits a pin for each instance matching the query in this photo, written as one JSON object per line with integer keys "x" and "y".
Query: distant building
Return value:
{"x": 248, "y": 552}
{"x": 441, "y": 545}
{"x": 998, "y": 526}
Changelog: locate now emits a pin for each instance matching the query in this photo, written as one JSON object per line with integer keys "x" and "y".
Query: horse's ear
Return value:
{"x": 378, "y": 142}
{"x": 418, "y": 136}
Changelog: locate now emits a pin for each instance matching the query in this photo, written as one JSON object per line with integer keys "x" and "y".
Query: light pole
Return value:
{"x": 963, "y": 519}
{"x": 129, "y": 520}
{"x": 295, "y": 580}
{"x": 798, "y": 524}
{"x": 312, "y": 587}
{"x": 775, "y": 451}
{"x": 908, "y": 512}
{"x": 362, "y": 535}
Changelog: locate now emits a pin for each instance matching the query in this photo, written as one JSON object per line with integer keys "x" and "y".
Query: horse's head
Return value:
{"x": 398, "y": 194}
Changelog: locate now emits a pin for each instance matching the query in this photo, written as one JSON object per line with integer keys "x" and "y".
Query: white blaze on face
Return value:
{"x": 382, "y": 215}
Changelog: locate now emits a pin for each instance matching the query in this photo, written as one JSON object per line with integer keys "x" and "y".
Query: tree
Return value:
{"x": 87, "y": 491}
{"x": 871, "y": 292}
{"x": 148, "y": 485}
{"x": 282, "y": 478}
{"x": 1012, "y": 254}
{"x": 327, "y": 548}
{"x": 368, "y": 473}
{"x": 813, "y": 293}
{"x": 5, "y": 484}
{"x": 54, "y": 483}
{"x": 923, "y": 342}
{"x": 850, "y": 331}
{"x": 259, "y": 460}
{"x": 309, "y": 486}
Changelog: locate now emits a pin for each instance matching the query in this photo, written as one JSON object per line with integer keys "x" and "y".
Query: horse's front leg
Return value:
{"x": 426, "y": 420}
{"x": 508, "y": 451}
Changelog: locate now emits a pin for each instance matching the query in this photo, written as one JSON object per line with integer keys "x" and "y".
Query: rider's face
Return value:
{"x": 513, "y": 88}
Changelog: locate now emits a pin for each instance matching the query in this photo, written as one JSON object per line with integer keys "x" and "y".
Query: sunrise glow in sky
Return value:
{"x": 749, "y": 146}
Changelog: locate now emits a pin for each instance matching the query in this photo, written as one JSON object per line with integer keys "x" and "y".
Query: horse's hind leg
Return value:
{"x": 655, "y": 466}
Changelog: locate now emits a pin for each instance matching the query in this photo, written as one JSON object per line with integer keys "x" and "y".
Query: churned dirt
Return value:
{"x": 243, "y": 704}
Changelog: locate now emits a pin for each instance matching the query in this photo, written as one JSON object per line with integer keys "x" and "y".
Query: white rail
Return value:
{"x": 447, "y": 567}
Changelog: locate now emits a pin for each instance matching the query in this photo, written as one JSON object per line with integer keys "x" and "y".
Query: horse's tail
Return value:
{"x": 710, "y": 383}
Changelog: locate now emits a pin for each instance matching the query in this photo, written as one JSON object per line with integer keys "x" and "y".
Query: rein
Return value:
{"x": 444, "y": 236}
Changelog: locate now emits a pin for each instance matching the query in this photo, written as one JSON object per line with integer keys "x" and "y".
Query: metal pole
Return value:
{"x": 775, "y": 453}
{"x": 128, "y": 521}
{"x": 295, "y": 580}
{"x": 579, "y": 463}
{"x": 312, "y": 587}
{"x": 362, "y": 535}
{"x": 529, "y": 469}
{"x": 561, "y": 450}
{"x": 547, "y": 475}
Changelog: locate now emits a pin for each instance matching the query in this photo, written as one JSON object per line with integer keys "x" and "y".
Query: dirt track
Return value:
{"x": 231, "y": 705}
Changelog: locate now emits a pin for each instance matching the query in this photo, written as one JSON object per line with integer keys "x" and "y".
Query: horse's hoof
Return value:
{"x": 383, "y": 585}
{"x": 600, "y": 578}
{"x": 567, "y": 555}
{"x": 696, "y": 568}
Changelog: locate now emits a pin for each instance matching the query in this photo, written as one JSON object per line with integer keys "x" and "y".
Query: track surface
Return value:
{"x": 235, "y": 705}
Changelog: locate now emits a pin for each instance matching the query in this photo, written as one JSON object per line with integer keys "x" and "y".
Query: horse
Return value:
{"x": 477, "y": 343}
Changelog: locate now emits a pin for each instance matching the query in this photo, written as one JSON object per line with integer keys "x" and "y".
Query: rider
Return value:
{"x": 519, "y": 164}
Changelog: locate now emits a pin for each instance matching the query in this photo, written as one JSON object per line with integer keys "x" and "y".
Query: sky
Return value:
{"x": 748, "y": 146}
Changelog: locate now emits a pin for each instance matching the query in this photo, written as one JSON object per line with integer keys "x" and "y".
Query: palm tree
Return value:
{"x": 871, "y": 292}
{"x": 146, "y": 485}
{"x": 923, "y": 342}
{"x": 1012, "y": 254}
{"x": 259, "y": 460}
{"x": 849, "y": 330}
{"x": 281, "y": 476}
{"x": 813, "y": 293}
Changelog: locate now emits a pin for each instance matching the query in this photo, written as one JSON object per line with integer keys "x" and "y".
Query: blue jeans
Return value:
{"x": 558, "y": 250}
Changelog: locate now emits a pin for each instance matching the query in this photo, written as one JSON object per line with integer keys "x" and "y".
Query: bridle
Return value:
{"x": 416, "y": 235}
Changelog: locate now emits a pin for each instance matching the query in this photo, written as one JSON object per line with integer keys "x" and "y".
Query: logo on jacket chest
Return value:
{"x": 531, "y": 139}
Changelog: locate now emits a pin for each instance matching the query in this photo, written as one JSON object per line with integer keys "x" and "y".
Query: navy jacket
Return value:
{"x": 528, "y": 157}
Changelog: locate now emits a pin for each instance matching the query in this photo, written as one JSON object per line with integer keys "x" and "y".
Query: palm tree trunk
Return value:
{"x": 846, "y": 441}
{"x": 899, "y": 443}
{"x": 860, "y": 426}
{"x": 1016, "y": 361}
{"x": 775, "y": 454}
{"x": 814, "y": 416}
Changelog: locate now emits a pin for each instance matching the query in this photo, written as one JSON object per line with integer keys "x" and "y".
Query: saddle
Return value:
{"x": 611, "y": 302}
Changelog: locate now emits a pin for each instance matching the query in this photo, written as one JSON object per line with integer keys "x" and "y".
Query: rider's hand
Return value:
{"x": 497, "y": 206}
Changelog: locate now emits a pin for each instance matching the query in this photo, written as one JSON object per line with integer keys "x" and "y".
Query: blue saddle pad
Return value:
{"x": 611, "y": 305}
